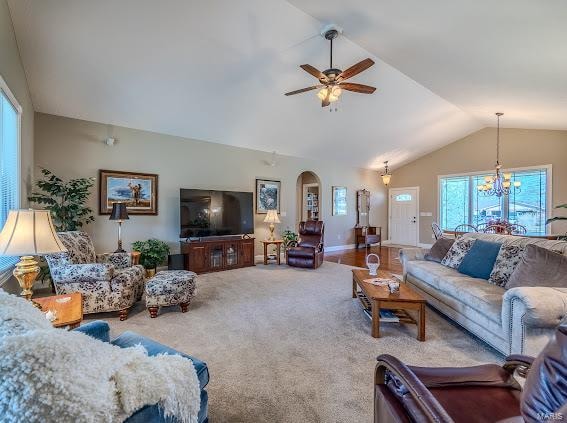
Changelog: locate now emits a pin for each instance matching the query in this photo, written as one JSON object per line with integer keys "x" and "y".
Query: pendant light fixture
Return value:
{"x": 500, "y": 183}
{"x": 386, "y": 176}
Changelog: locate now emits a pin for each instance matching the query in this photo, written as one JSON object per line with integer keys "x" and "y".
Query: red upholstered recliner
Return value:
{"x": 309, "y": 250}
{"x": 487, "y": 393}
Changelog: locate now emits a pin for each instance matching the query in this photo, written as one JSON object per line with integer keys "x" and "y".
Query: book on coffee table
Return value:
{"x": 378, "y": 281}
{"x": 386, "y": 315}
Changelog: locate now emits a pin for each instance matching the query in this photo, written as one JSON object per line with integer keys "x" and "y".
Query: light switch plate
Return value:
{"x": 283, "y": 214}
{"x": 425, "y": 214}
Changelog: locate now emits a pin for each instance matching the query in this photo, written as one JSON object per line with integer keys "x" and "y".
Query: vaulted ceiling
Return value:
{"x": 216, "y": 70}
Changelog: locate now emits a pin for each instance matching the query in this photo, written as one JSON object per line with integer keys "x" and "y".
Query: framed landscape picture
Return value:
{"x": 138, "y": 190}
{"x": 267, "y": 196}
{"x": 339, "y": 201}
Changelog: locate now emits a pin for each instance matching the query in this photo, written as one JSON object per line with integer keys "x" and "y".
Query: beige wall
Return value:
{"x": 12, "y": 71}
{"x": 476, "y": 152}
{"x": 74, "y": 148}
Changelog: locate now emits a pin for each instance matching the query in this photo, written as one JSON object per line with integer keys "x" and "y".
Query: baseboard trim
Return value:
{"x": 420, "y": 244}
{"x": 340, "y": 247}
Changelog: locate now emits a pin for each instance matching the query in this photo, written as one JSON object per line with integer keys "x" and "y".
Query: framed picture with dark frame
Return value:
{"x": 138, "y": 190}
{"x": 339, "y": 201}
{"x": 267, "y": 195}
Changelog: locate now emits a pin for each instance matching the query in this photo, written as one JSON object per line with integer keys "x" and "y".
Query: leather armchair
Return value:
{"x": 487, "y": 393}
{"x": 309, "y": 250}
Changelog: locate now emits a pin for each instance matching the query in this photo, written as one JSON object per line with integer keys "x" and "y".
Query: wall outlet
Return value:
{"x": 432, "y": 236}
{"x": 339, "y": 236}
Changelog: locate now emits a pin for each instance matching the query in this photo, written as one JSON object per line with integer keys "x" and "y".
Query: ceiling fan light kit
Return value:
{"x": 331, "y": 81}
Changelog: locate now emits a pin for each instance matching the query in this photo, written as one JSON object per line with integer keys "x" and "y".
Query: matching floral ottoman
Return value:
{"x": 169, "y": 287}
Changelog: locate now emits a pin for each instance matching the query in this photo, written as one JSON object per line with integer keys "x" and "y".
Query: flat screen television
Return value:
{"x": 215, "y": 213}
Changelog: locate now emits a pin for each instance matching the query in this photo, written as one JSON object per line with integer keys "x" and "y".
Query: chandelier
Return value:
{"x": 500, "y": 183}
{"x": 386, "y": 176}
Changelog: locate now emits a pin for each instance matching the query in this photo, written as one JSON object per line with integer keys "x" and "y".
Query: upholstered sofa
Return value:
{"x": 107, "y": 282}
{"x": 150, "y": 413}
{"x": 515, "y": 321}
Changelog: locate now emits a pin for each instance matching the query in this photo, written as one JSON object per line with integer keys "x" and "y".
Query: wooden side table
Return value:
{"x": 368, "y": 235}
{"x": 69, "y": 313}
{"x": 278, "y": 243}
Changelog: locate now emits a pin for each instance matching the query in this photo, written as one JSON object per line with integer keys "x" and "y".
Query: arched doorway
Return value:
{"x": 308, "y": 197}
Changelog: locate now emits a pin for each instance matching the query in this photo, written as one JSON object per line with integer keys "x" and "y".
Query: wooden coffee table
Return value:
{"x": 379, "y": 297}
{"x": 69, "y": 313}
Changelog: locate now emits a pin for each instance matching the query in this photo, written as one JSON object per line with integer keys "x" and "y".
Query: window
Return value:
{"x": 10, "y": 113}
{"x": 403, "y": 197}
{"x": 460, "y": 201}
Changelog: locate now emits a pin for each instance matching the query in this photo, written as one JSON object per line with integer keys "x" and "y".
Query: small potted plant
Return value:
{"x": 290, "y": 239}
{"x": 152, "y": 253}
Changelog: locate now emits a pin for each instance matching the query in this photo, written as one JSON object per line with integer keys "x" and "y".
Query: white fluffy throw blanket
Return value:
{"x": 51, "y": 375}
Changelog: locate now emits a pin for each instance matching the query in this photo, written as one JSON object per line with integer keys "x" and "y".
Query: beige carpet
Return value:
{"x": 291, "y": 345}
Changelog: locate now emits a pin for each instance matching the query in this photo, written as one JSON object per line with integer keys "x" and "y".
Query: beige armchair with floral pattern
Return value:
{"x": 107, "y": 282}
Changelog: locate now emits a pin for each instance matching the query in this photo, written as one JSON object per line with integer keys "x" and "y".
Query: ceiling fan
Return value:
{"x": 332, "y": 80}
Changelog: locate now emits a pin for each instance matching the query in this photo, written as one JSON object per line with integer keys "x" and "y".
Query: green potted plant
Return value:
{"x": 553, "y": 219}
{"x": 290, "y": 239}
{"x": 66, "y": 200}
{"x": 152, "y": 253}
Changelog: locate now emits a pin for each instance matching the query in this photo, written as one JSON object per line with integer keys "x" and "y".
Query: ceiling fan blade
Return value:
{"x": 314, "y": 71}
{"x": 314, "y": 87}
{"x": 355, "y": 69}
{"x": 357, "y": 88}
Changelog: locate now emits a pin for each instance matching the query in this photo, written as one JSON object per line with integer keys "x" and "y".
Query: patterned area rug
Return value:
{"x": 291, "y": 345}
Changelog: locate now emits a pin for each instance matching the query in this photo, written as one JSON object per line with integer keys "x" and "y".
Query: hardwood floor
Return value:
{"x": 388, "y": 257}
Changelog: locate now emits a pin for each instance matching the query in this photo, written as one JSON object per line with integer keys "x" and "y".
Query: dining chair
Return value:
{"x": 437, "y": 231}
{"x": 517, "y": 229}
{"x": 464, "y": 228}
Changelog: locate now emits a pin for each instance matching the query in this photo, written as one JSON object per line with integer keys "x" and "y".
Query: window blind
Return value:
{"x": 9, "y": 151}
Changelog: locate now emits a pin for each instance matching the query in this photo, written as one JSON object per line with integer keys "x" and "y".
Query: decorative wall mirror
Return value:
{"x": 362, "y": 208}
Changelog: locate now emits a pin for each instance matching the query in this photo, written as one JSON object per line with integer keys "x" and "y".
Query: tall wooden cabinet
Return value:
{"x": 218, "y": 254}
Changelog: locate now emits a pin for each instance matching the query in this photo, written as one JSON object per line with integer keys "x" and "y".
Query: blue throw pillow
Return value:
{"x": 479, "y": 261}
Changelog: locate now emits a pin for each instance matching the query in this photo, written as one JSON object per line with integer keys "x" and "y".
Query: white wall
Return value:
{"x": 74, "y": 148}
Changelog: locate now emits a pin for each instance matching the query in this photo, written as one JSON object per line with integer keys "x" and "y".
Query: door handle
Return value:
{"x": 414, "y": 220}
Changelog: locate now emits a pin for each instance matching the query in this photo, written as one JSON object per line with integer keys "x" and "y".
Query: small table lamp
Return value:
{"x": 119, "y": 213}
{"x": 271, "y": 218}
{"x": 28, "y": 233}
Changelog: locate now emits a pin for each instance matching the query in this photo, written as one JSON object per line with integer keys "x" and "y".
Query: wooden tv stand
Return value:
{"x": 217, "y": 254}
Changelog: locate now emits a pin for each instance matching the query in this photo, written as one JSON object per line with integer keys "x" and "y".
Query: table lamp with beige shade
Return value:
{"x": 271, "y": 218}
{"x": 28, "y": 233}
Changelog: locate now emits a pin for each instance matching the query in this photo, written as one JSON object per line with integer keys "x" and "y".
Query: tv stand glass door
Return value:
{"x": 216, "y": 254}
{"x": 231, "y": 254}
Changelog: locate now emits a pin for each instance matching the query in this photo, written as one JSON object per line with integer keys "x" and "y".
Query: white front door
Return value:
{"x": 403, "y": 212}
